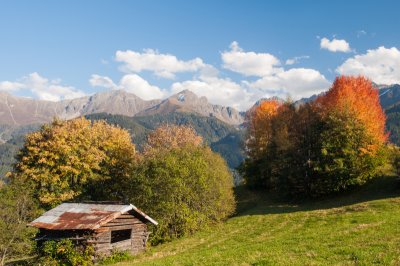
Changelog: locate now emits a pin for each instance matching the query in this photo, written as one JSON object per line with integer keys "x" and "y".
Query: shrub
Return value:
{"x": 64, "y": 252}
{"x": 17, "y": 208}
{"x": 184, "y": 186}
{"x": 116, "y": 256}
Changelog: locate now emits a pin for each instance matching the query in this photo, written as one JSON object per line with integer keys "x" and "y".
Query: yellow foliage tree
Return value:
{"x": 63, "y": 159}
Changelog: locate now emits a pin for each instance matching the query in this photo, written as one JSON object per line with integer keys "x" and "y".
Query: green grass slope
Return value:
{"x": 360, "y": 228}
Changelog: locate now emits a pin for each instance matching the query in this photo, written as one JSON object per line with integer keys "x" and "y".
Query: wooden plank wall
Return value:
{"x": 102, "y": 238}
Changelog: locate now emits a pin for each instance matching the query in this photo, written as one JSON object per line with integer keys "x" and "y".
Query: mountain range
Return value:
{"x": 24, "y": 111}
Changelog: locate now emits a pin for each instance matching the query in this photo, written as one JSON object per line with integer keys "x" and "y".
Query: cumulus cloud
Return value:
{"x": 295, "y": 60}
{"x": 11, "y": 86}
{"x": 295, "y": 82}
{"x": 273, "y": 79}
{"x": 381, "y": 65}
{"x": 102, "y": 81}
{"x": 335, "y": 45}
{"x": 222, "y": 91}
{"x": 250, "y": 63}
{"x": 42, "y": 88}
{"x": 163, "y": 65}
{"x": 132, "y": 83}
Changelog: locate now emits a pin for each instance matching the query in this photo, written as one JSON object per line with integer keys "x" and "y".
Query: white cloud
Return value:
{"x": 250, "y": 63}
{"x": 273, "y": 79}
{"x": 163, "y": 65}
{"x": 335, "y": 45}
{"x": 102, "y": 81}
{"x": 295, "y": 60}
{"x": 295, "y": 82}
{"x": 220, "y": 91}
{"x": 132, "y": 83}
{"x": 43, "y": 88}
{"x": 11, "y": 86}
{"x": 135, "y": 84}
{"x": 381, "y": 65}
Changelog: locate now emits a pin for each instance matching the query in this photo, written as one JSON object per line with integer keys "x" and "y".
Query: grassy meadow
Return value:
{"x": 361, "y": 227}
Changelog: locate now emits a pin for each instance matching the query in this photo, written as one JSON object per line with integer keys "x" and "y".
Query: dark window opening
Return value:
{"x": 120, "y": 235}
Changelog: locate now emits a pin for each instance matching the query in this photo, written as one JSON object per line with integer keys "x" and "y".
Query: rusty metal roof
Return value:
{"x": 83, "y": 216}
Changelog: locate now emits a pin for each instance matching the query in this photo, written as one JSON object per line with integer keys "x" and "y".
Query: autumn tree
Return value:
{"x": 76, "y": 158}
{"x": 357, "y": 97}
{"x": 259, "y": 128}
{"x": 325, "y": 146}
{"x": 258, "y": 139}
{"x": 352, "y": 137}
{"x": 167, "y": 137}
{"x": 182, "y": 183}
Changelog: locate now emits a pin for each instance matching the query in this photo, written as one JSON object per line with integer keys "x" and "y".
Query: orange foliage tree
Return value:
{"x": 358, "y": 97}
{"x": 352, "y": 136}
{"x": 259, "y": 127}
{"x": 325, "y": 146}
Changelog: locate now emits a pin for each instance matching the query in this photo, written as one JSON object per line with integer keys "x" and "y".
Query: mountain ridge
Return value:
{"x": 16, "y": 110}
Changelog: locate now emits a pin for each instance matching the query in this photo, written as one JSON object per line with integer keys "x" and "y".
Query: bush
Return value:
{"x": 65, "y": 253}
{"x": 182, "y": 184}
{"x": 116, "y": 256}
{"x": 17, "y": 209}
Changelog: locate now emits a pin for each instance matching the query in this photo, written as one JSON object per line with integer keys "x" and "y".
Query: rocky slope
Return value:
{"x": 23, "y": 111}
{"x": 188, "y": 102}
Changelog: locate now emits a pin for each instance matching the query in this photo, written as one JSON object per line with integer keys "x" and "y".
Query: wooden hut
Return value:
{"x": 106, "y": 227}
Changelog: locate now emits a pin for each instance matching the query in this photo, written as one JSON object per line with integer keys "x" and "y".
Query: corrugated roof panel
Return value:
{"x": 70, "y": 216}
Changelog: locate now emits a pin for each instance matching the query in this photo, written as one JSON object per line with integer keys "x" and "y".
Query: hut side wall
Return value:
{"x": 103, "y": 236}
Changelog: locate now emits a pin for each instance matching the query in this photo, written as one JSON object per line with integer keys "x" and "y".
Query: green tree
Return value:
{"x": 17, "y": 209}
{"x": 183, "y": 184}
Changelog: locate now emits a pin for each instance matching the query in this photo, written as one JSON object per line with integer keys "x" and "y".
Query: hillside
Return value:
{"x": 188, "y": 102}
{"x": 393, "y": 123}
{"x": 359, "y": 228}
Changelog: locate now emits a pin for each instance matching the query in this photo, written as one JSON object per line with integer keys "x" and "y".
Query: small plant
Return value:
{"x": 116, "y": 256}
{"x": 65, "y": 253}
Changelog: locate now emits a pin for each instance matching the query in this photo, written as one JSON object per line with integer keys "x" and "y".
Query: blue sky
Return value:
{"x": 233, "y": 52}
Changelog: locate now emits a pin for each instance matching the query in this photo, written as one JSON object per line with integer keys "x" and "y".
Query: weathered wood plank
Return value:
{"x": 118, "y": 220}
{"x": 132, "y": 222}
{"x": 119, "y": 227}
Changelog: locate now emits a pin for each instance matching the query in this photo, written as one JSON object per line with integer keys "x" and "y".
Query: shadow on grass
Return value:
{"x": 255, "y": 202}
